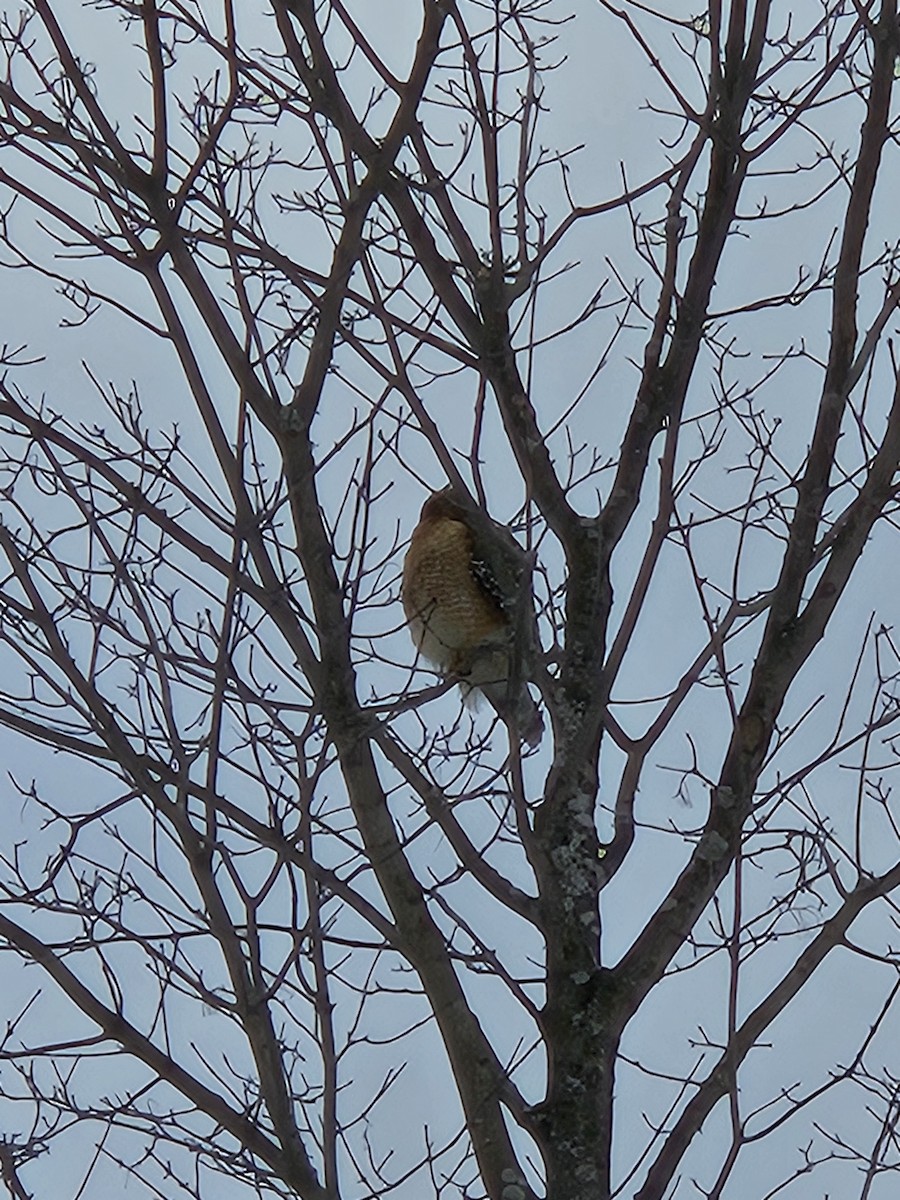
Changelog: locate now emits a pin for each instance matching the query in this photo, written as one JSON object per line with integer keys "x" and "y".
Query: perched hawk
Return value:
{"x": 458, "y": 617}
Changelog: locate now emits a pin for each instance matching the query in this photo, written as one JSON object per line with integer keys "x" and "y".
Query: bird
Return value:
{"x": 458, "y": 616}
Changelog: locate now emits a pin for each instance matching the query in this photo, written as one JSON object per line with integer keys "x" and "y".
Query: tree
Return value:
{"x": 279, "y": 916}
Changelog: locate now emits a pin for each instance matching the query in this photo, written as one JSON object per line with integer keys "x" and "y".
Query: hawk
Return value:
{"x": 458, "y": 616}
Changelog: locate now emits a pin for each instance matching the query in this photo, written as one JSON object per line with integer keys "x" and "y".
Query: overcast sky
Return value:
{"x": 598, "y": 100}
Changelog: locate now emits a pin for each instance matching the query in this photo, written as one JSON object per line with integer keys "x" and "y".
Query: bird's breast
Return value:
{"x": 448, "y": 612}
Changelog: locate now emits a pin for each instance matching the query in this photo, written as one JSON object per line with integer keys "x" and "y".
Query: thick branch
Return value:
{"x": 721, "y": 1078}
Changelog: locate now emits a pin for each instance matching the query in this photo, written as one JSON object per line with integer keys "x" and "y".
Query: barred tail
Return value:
{"x": 520, "y": 712}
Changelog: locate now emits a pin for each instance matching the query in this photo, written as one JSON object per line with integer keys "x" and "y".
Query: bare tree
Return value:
{"x": 279, "y": 915}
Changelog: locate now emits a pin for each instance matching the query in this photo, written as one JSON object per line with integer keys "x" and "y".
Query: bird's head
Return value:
{"x": 446, "y": 503}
